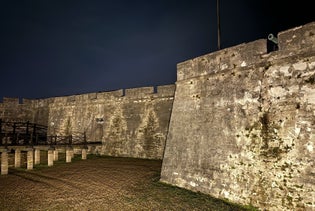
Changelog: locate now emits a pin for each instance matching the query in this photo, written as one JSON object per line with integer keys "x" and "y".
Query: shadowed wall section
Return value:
{"x": 243, "y": 123}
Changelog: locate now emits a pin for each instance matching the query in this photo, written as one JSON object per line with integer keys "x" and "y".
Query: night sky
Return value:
{"x": 64, "y": 47}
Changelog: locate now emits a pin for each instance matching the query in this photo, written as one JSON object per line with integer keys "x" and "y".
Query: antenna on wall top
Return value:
{"x": 218, "y": 24}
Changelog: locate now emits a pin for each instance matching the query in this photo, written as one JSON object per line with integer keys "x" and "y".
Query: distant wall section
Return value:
{"x": 35, "y": 111}
{"x": 132, "y": 122}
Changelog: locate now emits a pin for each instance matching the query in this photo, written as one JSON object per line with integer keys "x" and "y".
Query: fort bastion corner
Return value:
{"x": 242, "y": 125}
{"x": 239, "y": 124}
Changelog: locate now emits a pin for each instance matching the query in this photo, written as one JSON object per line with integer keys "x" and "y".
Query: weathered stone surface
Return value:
{"x": 297, "y": 38}
{"x": 131, "y": 125}
{"x": 246, "y": 132}
{"x": 134, "y": 125}
{"x": 238, "y": 56}
{"x": 28, "y": 110}
{"x": 241, "y": 125}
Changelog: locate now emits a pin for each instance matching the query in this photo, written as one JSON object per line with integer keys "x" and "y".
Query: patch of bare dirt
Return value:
{"x": 99, "y": 183}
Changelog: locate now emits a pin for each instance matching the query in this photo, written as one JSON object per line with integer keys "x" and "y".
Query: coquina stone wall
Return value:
{"x": 36, "y": 111}
{"x": 243, "y": 124}
{"x": 131, "y": 123}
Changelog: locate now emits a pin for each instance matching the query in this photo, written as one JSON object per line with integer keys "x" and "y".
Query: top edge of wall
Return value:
{"x": 240, "y": 55}
{"x": 139, "y": 92}
{"x": 246, "y": 54}
{"x": 297, "y": 38}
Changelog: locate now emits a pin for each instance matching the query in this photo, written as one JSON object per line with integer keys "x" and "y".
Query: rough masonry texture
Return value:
{"x": 131, "y": 123}
{"x": 243, "y": 124}
{"x": 29, "y": 110}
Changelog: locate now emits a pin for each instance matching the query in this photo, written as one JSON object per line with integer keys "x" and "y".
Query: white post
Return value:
{"x": 69, "y": 152}
{"x": 17, "y": 158}
{"x": 30, "y": 159}
{"x": 84, "y": 154}
{"x": 4, "y": 162}
{"x": 56, "y": 155}
{"x": 37, "y": 156}
{"x": 50, "y": 157}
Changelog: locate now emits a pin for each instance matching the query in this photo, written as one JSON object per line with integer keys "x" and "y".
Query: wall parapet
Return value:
{"x": 166, "y": 90}
{"x": 140, "y": 92}
{"x": 238, "y": 56}
{"x": 116, "y": 93}
{"x": 297, "y": 38}
{"x": 11, "y": 100}
{"x": 25, "y": 101}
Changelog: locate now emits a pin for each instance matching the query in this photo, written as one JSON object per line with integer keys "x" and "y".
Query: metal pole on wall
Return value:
{"x": 0, "y": 132}
{"x": 218, "y": 24}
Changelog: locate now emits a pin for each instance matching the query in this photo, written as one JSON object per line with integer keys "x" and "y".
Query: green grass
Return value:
{"x": 165, "y": 196}
{"x": 166, "y": 193}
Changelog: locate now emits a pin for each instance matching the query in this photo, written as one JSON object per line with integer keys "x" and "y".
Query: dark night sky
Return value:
{"x": 63, "y": 47}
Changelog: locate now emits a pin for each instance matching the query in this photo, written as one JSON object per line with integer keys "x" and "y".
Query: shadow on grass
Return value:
{"x": 173, "y": 198}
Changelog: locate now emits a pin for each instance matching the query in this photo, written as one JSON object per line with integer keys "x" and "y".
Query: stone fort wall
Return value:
{"x": 243, "y": 123}
{"x": 132, "y": 122}
{"x": 36, "y": 111}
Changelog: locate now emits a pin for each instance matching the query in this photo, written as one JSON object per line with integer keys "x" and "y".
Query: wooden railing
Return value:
{"x": 22, "y": 133}
{"x": 27, "y": 133}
